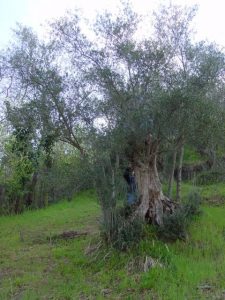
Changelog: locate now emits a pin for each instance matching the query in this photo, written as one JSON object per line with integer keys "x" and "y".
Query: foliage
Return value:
{"x": 35, "y": 178}
{"x": 191, "y": 156}
{"x": 17, "y": 169}
{"x": 26, "y": 153}
{"x": 164, "y": 84}
{"x": 69, "y": 174}
{"x": 175, "y": 225}
{"x": 191, "y": 206}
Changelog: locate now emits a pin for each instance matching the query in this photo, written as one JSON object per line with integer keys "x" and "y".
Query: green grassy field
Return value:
{"x": 35, "y": 266}
{"x": 191, "y": 156}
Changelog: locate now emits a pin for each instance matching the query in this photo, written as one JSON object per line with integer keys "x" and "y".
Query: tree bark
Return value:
{"x": 171, "y": 178}
{"x": 152, "y": 203}
{"x": 179, "y": 173}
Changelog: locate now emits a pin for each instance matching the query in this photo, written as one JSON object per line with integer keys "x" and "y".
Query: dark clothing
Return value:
{"x": 131, "y": 190}
{"x": 127, "y": 175}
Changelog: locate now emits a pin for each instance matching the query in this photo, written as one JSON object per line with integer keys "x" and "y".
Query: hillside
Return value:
{"x": 36, "y": 265}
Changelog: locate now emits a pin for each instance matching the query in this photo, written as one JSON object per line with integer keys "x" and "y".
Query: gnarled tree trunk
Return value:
{"x": 152, "y": 203}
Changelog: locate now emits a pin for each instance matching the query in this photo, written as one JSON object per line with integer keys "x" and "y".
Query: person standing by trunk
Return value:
{"x": 129, "y": 176}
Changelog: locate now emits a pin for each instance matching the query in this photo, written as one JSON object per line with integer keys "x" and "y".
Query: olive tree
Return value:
{"x": 32, "y": 76}
{"x": 151, "y": 92}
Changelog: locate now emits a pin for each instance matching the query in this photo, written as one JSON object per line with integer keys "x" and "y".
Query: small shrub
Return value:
{"x": 191, "y": 207}
{"x": 129, "y": 233}
{"x": 120, "y": 230}
{"x": 175, "y": 225}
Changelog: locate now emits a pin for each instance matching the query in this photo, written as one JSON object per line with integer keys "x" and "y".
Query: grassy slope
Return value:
{"x": 213, "y": 193}
{"x": 37, "y": 269}
{"x": 191, "y": 156}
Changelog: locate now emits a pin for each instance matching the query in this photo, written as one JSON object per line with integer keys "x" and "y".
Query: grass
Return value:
{"x": 213, "y": 194}
{"x": 33, "y": 267}
{"x": 191, "y": 156}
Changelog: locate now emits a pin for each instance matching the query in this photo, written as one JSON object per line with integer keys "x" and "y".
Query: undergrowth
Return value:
{"x": 175, "y": 226}
{"x": 120, "y": 229}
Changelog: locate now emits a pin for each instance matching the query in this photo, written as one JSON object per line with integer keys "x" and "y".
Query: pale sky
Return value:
{"x": 209, "y": 23}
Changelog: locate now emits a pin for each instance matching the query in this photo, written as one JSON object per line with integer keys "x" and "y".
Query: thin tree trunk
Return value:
{"x": 113, "y": 197}
{"x": 117, "y": 161}
{"x": 179, "y": 173}
{"x": 18, "y": 208}
{"x": 114, "y": 170}
{"x": 171, "y": 178}
{"x": 212, "y": 154}
{"x": 30, "y": 197}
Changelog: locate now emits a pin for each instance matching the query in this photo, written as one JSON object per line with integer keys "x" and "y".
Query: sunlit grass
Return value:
{"x": 191, "y": 156}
